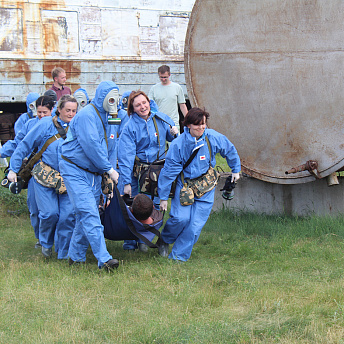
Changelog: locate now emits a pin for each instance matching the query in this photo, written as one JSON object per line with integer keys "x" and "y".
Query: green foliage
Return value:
{"x": 251, "y": 279}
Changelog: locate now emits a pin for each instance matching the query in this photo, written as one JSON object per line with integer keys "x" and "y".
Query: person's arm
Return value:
{"x": 126, "y": 153}
{"x": 220, "y": 144}
{"x": 173, "y": 166}
{"x": 91, "y": 142}
{"x": 183, "y": 108}
{"x": 34, "y": 138}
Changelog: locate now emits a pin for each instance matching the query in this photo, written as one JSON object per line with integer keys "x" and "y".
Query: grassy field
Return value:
{"x": 251, "y": 279}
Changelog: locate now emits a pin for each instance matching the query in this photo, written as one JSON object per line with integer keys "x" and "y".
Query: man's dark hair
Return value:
{"x": 163, "y": 69}
{"x": 195, "y": 116}
{"x": 142, "y": 207}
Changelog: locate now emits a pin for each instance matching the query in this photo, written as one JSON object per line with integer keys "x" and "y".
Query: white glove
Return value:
{"x": 127, "y": 189}
{"x": 235, "y": 177}
{"x": 12, "y": 176}
{"x": 113, "y": 175}
{"x": 163, "y": 205}
{"x": 174, "y": 130}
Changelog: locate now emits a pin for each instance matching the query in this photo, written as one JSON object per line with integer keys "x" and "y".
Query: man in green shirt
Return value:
{"x": 168, "y": 95}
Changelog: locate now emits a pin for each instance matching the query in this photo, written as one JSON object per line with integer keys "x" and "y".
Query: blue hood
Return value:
{"x": 101, "y": 92}
{"x": 31, "y": 97}
{"x": 83, "y": 91}
{"x": 154, "y": 106}
{"x": 125, "y": 94}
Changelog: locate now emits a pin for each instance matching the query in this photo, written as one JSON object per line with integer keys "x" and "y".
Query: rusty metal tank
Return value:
{"x": 270, "y": 73}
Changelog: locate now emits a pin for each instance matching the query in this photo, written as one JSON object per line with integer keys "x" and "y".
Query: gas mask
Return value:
{"x": 110, "y": 104}
{"x": 125, "y": 103}
{"x": 32, "y": 107}
{"x": 81, "y": 99}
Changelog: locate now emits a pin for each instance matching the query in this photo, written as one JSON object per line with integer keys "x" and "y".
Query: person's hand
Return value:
{"x": 12, "y": 176}
{"x": 235, "y": 177}
{"x": 127, "y": 189}
{"x": 174, "y": 130}
{"x": 114, "y": 175}
{"x": 108, "y": 199}
{"x": 163, "y": 205}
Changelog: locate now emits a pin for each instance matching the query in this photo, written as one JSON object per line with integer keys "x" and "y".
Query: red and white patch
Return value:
{"x": 112, "y": 136}
{"x": 202, "y": 157}
{"x": 156, "y": 134}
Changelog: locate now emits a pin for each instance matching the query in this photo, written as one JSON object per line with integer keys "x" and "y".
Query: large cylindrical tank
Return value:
{"x": 271, "y": 74}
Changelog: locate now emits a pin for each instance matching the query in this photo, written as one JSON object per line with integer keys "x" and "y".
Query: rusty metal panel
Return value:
{"x": 92, "y": 40}
{"x": 172, "y": 34}
{"x": 60, "y": 31}
{"x": 271, "y": 75}
{"x": 121, "y": 38}
{"x": 11, "y": 34}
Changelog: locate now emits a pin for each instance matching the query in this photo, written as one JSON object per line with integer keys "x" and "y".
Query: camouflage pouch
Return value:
{"x": 148, "y": 178}
{"x": 107, "y": 184}
{"x": 61, "y": 187}
{"x": 137, "y": 168}
{"x": 204, "y": 183}
{"x": 186, "y": 195}
{"x": 46, "y": 175}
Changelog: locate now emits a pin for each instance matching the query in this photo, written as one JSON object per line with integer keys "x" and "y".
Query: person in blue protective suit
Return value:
{"x": 31, "y": 112}
{"x": 85, "y": 158}
{"x": 53, "y": 96}
{"x": 184, "y": 226}
{"x": 82, "y": 98}
{"x": 55, "y": 209}
{"x": 10, "y": 146}
{"x": 141, "y": 139}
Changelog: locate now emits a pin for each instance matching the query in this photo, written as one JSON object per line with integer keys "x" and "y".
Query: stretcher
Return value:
{"x": 120, "y": 224}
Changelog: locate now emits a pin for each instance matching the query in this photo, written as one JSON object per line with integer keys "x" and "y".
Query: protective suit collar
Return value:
{"x": 31, "y": 97}
{"x": 101, "y": 92}
{"x": 193, "y": 139}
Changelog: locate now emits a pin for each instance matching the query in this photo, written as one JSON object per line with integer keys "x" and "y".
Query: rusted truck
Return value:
{"x": 93, "y": 40}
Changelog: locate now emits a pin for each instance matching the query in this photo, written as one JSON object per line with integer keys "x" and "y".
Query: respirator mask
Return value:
{"x": 14, "y": 187}
{"x": 32, "y": 107}
{"x": 125, "y": 101}
{"x": 228, "y": 189}
{"x": 81, "y": 99}
{"x": 110, "y": 104}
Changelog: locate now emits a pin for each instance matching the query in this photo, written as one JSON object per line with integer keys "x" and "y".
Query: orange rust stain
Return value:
{"x": 16, "y": 69}
{"x": 50, "y": 36}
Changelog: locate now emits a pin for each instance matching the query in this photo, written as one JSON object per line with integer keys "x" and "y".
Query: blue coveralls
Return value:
{"x": 7, "y": 151}
{"x": 55, "y": 211}
{"x": 139, "y": 138}
{"x": 184, "y": 226}
{"x": 18, "y": 125}
{"x": 86, "y": 147}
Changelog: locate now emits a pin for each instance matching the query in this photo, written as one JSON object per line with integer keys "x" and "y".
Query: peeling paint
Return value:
{"x": 92, "y": 41}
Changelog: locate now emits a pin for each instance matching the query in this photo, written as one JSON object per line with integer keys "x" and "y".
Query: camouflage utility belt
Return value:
{"x": 49, "y": 177}
{"x": 107, "y": 184}
{"x": 148, "y": 175}
{"x": 198, "y": 187}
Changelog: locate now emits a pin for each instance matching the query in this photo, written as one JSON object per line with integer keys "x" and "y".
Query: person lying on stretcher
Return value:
{"x": 135, "y": 218}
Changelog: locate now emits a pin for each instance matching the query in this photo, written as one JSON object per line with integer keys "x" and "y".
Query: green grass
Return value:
{"x": 250, "y": 279}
